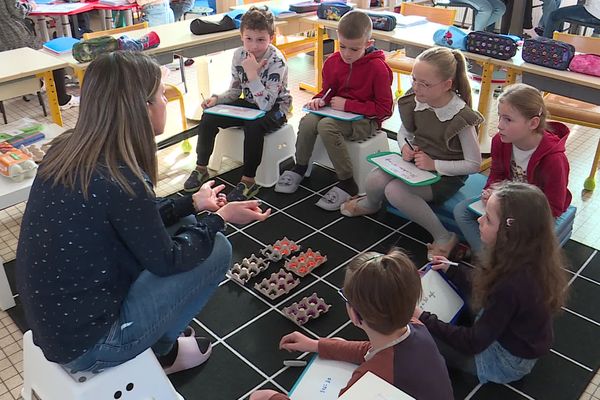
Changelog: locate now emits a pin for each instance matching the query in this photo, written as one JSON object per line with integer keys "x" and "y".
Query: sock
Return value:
{"x": 169, "y": 358}
{"x": 349, "y": 186}
{"x": 300, "y": 169}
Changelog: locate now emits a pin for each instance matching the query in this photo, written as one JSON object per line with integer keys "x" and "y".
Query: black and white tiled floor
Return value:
{"x": 245, "y": 327}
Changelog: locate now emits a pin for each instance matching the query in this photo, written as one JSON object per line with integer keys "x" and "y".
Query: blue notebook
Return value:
{"x": 61, "y": 45}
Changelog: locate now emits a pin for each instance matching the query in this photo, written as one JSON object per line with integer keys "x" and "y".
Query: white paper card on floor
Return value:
{"x": 372, "y": 387}
{"x": 322, "y": 380}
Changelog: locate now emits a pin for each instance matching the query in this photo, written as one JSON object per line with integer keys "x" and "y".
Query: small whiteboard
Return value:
{"x": 372, "y": 387}
{"x": 440, "y": 297}
{"x": 330, "y": 112}
{"x": 322, "y": 380}
{"x": 226, "y": 110}
{"x": 477, "y": 207}
{"x": 393, "y": 164}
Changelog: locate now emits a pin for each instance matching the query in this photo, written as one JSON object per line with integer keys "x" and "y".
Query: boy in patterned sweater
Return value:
{"x": 259, "y": 72}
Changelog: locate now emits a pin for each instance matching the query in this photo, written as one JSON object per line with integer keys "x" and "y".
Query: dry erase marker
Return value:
{"x": 447, "y": 262}
{"x": 294, "y": 363}
{"x": 326, "y": 93}
{"x": 203, "y": 99}
{"x": 409, "y": 144}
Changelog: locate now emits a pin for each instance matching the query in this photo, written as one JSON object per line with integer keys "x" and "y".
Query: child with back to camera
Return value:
{"x": 380, "y": 291}
{"x": 526, "y": 149}
{"x": 439, "y": 124}
{"x": 356, "y": 79}
{"x": 258, "y": 71}
{"x": 518, "y": 290}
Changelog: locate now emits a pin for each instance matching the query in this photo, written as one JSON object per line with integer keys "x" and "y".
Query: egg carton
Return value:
{"x": 248, "y": 268}
{"x": 279, "y": 249}
{"x": 308, "y": 308}
{"x": 279, "y": 283}
{"x": 305, "y": 262}
{"x": 35, "y": 152}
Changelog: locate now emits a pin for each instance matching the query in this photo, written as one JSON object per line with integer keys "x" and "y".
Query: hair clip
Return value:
{"x": 509, "y": 221}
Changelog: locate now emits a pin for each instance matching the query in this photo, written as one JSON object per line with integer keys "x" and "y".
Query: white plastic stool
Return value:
{"x": 358, "y": 150}
{"x": 279, "y": 146}
{"x": 139, "y": 379}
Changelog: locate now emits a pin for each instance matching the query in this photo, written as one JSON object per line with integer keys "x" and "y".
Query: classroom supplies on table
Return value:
{"x": 201, "y": 27}
{"x": 548, "y": 53}
{"x": 87, "y": 50}
{"x": 588, "y": 64}
{"x": 322, "y": 379}
{"x": 393, "y": 164}
{"x": 372, "y": 387}
{"x": 451, "y": 37}
{"x": 330, "y": 112}
{"x": 332, "y": 11}
{"x": 477, "y": 207}
{"x": 440, "y": 296}
{"x": 382, "y": 21}
{"x": 15, "y": 164}
{"x": 226, "y": 110}
{"x": 502, "y": 47}
{"x": 61, "y": 45}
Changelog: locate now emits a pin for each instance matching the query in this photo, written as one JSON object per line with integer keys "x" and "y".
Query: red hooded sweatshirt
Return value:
{"x": 365, "y": 84}
{"x": 547, "y": 169}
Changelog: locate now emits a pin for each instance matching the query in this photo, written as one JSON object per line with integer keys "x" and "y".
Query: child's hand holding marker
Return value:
{"x": 439, "y": 263}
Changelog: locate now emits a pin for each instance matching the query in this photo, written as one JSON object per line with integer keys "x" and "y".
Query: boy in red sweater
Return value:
{"x": 356, "y": 79}
{"x": 381, "y": 292}
{"x": 526, "y": 149}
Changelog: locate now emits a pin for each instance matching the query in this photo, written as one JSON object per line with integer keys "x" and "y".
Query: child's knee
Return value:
{"x": 328, "y": 127}
{"x": 377, "y": 179}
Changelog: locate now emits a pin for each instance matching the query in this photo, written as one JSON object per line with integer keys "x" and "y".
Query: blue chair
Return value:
{"x": 472, "y": 188}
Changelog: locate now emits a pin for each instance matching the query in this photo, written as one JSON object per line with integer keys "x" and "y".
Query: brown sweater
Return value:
{"x": 411, "y": 365}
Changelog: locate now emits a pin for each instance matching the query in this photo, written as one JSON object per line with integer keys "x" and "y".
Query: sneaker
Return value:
{"x": 73, "y": 102}
{"x": 242, "y": 192}
{"x": 191, "y": 352}
{"x": 288, "y": 182}
{"x": 195, "y": 180}
{"x": 333, "y": 199}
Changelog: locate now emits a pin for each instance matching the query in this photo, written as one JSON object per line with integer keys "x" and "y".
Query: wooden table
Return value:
{"x": 20, "y": 70}
{"x": 12, "y": 193}
{"x": 415, "y": 39}
{"x": 175, "y": 38}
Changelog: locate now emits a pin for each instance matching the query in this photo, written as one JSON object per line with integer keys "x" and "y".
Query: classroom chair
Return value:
{"x": 574, "y": 111}
{"x": 398, "y": 61}
{"x": 40, "y": 99}
{"x": 359, "y": 150}
{"x": 471, "y": 189}
{"x": 138, "y": 379}
{"x": 278, "y": 147}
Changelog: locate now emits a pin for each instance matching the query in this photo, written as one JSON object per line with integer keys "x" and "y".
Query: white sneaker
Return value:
{"x": 74, "y": 102}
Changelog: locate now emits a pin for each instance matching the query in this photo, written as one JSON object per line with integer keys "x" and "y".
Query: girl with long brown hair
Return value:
{"x": 518, "y": 290}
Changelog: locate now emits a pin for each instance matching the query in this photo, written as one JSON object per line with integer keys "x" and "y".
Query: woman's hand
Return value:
{"x": 243, "y": 212}
{"x": 209, "y": 198}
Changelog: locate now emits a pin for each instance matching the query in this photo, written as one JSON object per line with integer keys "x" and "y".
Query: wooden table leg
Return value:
{"x": 484, "y": 96}
{"x": 318, "y": 64}
{"x": 52, "y": 98}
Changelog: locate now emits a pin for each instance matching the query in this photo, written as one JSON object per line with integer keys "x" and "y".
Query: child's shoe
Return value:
{"x": 333, "y": 199}
{"x": 191, "y": 352}
{"x": 242, "y": 192}
{"x": 195, "y": 180}
{"x": 73, "y": 102}
{"x": 351, "y": 208}
{"x": 288, "y": 182}
{"x": 442, "y": 249}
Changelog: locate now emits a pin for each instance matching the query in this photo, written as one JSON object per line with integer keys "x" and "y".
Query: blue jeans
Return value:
{"x": 156, "y": 310}
{"x": 158, "y": 14}
{"x": 498, "y": 365}
{"x": 488, "y": 13}
{"x": 180, "y": 7}
{"x": 467, "y": 222}
{"x": 557, "y": 18}
{"x": 548, "y": 7}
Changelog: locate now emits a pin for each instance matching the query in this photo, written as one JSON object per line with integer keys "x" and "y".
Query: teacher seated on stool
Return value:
{"x": 99, "y": 277}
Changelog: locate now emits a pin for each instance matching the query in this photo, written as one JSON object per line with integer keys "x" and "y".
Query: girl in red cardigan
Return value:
{"x": 525, "y": 149}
